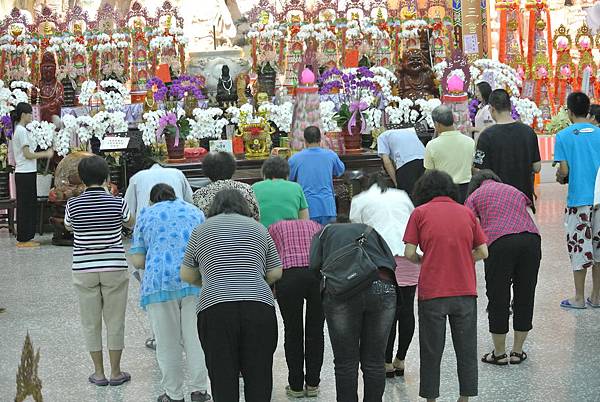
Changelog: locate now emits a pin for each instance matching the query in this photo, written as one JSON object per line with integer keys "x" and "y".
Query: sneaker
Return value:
{"x": 199, "y": 396}
{"x": 293, "y": 394}
{"x": 27, "y": 244}
{"x": 165, "y": 398}
{"x": 311, "y": 392}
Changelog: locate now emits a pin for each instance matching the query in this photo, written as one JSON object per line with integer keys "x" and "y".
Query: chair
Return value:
{"x": 7, "y": 219}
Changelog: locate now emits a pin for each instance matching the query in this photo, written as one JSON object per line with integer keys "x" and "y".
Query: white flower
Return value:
{"x": 206, "y": 123}
{"x": 21, "y": 85}
{"x": 327, "y": 110}
{"x": 149, "y": 126}
{"x": 528, "y": 111}
{"x": 372, "y": 117}
{"x": 281, "y": 115}
{"x": 42, "y": 133}
{"x": 88, "y": 89}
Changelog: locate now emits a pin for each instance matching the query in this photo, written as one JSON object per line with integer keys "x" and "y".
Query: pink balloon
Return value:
{"x": 455, "y": 84}
{"x": 307, "y": 77}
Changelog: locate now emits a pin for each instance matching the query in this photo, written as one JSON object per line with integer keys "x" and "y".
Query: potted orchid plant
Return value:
{"x": 358, "y": 92}
{"x": 179, "y": 100}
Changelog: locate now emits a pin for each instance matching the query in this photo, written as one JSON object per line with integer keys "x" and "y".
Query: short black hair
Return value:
{"x": 485, "y": 89}
{"x": 578, "y": 103}
{"x": 500, "y": 100}
{"x": 229, "y": 201}
{"x": 595, "y": 112}
{"x": 312, "y": 135}
{"x": 481, "y": 176}
{"x": 218, "y": 166}
{"x": 434, "y": 183}
{"x": 162, "y": 192}
{"x": 93, "y": 170}
{"x": 276, "y": 168}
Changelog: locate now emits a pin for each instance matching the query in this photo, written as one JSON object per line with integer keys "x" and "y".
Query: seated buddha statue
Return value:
{"x": 416, "y": 77}
{"x": 226, "y": 93}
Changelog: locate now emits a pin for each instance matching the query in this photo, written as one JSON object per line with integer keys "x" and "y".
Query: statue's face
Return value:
{"x": 414, "y": 62}
{"x": 48, "y": 72}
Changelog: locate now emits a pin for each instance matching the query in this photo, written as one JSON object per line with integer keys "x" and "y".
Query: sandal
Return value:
{"x": 101, "y": 382}
{"x": 495, "y": 359}
{"x": 121, "y": 379}
{"x": 151, "y": 343}
{"x": 521, "y": 356}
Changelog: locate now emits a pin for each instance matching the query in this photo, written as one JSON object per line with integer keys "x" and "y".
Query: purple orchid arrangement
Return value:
{"x": 6, "y": 125}
{"x": 354, "y": 85}
{"x": 161, "y": 89}
{"x": 187, "y": 85}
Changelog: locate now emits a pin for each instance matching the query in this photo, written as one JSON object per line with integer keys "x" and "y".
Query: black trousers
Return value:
{"x": 461, "y": 311}
{"x": 408, "y": 174}
{"x": 513, "y": 259}
{"x": 304, "y": 340}
{"x": 239, "y": 337}
{"x": 405, "y": 315}
{"x": 26, "y": 205}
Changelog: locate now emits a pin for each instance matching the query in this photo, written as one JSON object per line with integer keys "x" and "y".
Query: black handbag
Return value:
{"x": 349, "y": 269}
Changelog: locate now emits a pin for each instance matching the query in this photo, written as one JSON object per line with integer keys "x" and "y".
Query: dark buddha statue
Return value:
{"x": 226, "y": 91}
{"x": 416, "y": 77}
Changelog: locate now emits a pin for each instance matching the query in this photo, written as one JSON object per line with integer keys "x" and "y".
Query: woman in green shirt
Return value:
{"x": 278, "y": 198}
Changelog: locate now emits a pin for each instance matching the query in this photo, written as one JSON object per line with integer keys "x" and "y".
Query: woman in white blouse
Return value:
{"x": 387, "y": 210}
{"x": 483, "y": 118}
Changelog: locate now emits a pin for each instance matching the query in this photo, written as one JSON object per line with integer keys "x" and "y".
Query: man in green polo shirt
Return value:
{"x": 278, "y": 198}
{"x": 451, "y": 151}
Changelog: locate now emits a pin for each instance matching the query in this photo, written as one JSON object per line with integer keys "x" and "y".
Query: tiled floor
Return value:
{"x": 35, "y": 287}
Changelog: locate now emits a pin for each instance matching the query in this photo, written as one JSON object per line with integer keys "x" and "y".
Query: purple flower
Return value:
{"x": 473, "y": 108}
{"x": 6, "y": 126}
{"x": 161, "y": 89}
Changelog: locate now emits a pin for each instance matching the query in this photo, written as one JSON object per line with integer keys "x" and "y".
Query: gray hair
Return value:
{"x": 443, "y": 115}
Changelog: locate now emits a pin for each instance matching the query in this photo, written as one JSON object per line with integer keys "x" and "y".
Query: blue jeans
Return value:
{"x": 359, "y": 328}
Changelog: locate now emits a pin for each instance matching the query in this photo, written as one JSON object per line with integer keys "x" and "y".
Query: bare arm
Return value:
{"x": 190, "y": 275}
{"x": 563, "y": 169}
{"x": 480, "y": 253}
{"x": 410, "y": 252}
{"x": 389, "y": 168}
{"x": 303, "y": 214}
{"x": 138, "y": 261}
{"x": 273, "y": 275}
{"x": 537, "y": 167}
{"x": 49, "y": 153}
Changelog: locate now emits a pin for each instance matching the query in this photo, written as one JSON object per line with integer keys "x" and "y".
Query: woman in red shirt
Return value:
{"x": 515, "y": 254}
{"x": 451, "y": 240}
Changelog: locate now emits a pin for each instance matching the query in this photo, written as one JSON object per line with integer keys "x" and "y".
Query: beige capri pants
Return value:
{"x": 102, "y": 294}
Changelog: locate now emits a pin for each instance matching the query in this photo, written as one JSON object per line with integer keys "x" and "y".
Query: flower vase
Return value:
{"x": 352, "y": 139}
{"x": 4, "y": 185}
{"x": 175, "y": 153}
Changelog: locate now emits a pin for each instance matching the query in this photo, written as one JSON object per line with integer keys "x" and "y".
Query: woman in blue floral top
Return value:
{"x": 160, "y": 237}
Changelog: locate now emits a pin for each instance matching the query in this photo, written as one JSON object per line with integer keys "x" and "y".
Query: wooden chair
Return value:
{"x": 7, "y": 219}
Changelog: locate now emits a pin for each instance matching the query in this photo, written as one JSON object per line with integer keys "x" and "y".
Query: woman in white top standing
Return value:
{"x": 387, "y": 210}
{"x": 483, "y": 118}
{"x": 25, "y": 174}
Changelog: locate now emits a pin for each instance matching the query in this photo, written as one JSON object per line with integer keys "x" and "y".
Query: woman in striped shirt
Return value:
{"x": 100, "y": 276}
{"x": 233, "y": 258}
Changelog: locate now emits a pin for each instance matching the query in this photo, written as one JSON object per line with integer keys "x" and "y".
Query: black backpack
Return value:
{"x": 349, "y": 269}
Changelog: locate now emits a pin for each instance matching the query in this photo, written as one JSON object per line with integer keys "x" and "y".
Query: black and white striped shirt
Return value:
{"x": 96, "y": 218}
{"x": 233, "y": 254}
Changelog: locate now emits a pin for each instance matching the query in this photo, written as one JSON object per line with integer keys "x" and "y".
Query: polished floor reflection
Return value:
{"x": 36, "y": 290}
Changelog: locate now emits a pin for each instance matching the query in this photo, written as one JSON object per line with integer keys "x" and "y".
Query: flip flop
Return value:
{"x": 567, "y": 304}
{"x": 121, "y": 379}
{"x": 99, "y": 382}
{"x": 589, "y": 303}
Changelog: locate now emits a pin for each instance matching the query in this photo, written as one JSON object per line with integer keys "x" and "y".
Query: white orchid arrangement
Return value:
{"x": 409, "y": 112}
{"x": 317, "y": 31}
{"x": 112, "y": 101}
{"x": 42, "y": 133}
{"x": 353, "y": 30}
{"x": 207, "y": 123}
{"x": 528, "y": 112}
{"x": 281, "y": 115}
{"x": 161, "y": 40}
{"x": 235, "y": 112}
{"x": 108, "y": 43}
{"x": 410, "y": 29}
{"x": 384, "y": 79}
{"x": 67, "y": 44}
{"x": 373, "y": 118}
{"x": 270, "y": 31}
{"x": 328, "y": 122}
{"x": 9, "y": 99}
{"x": 149, "y": 126}
{"x": 504, "y": 75}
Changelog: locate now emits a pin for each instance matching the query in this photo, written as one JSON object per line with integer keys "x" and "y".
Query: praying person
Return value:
{"x": 100, "y": 274}
{"x": 452, "y": 241}
{"x": 314, "y": 169}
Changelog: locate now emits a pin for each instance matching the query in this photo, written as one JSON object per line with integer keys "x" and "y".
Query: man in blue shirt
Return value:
{"x": 578, "y": 151}
{"x": 314, "y": 168}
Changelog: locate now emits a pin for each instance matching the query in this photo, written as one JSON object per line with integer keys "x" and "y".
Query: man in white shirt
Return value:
{"x": 140, "y": 185}
{"x": 402, "y": 153}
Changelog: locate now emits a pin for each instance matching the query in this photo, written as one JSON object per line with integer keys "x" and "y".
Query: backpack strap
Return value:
{"x": 365, "y": 235}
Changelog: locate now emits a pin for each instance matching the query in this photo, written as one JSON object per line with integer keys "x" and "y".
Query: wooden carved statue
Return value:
{"x": 415, "y": 77}
{"x": 49, "y": 94}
